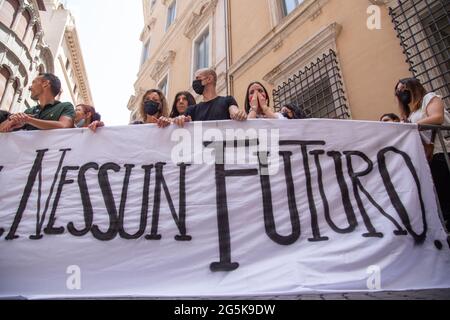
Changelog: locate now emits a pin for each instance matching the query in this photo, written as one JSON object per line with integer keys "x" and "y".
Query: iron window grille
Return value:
{"x": 318, "y": 90}
{"x": 423, "y": 27}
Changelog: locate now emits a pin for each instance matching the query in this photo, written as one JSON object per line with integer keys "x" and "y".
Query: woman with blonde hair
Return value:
{"x": 153, "y": 107}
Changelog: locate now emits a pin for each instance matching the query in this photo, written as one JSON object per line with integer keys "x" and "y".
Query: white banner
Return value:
{"x": 296, "y": 207}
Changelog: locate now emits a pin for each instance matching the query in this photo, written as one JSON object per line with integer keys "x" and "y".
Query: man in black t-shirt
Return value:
{"x": 213, "y": 107}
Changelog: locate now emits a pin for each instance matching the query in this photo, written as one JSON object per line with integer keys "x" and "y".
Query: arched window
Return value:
{"x": 29, "y": 38}
{"x": 24, "y": 20}
{"x": 8, "y": 12}
{"x": 7, "y": 94}
{"x": 4, "y": 76}
{"x": 10, "y": 102}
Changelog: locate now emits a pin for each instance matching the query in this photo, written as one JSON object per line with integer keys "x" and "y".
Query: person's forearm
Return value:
{"x": 432, "y": 120}
{"x": 252, "y": 114}
{"x": 269, "y": 113}
{"x": 9, "y": 126}
{"x": 233, "y": 109}
{"x": 47, "y": 124}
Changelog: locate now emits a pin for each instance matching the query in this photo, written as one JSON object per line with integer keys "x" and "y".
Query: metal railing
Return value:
{"x": 438, "y": 134}
{"x": 318, "y": 90}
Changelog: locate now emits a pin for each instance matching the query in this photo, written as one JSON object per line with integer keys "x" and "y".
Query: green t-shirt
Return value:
{"x": 51, "y": 112}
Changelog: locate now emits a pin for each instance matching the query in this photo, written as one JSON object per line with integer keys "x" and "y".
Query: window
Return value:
{"x": 318, "y": 90}
{"x": 201, "y": 54}
{"x": 7, "y": 89}
{"x": 171, "y": 12}
{"x": 24, "y": 21}
{"x": 4, "y": 77}
{"x": 67, "y": 64}
{"x": 163, "y": 85}
{"x": 145, "y": 52}
{"x": 424, "y": 32}
{"x": 290, "y": 5}
{"x": 8, "y": 12}
{"x": 30, "y": 36}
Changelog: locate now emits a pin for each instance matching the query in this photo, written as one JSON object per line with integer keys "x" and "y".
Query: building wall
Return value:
{"x": 36, "y": 42}
{"x": 171, "y": 51}
{"x": 269, "y": 46}
{"x": 61, "y": 33}
{"x": 23, "y": 51}
{"x": 371, "y": 61}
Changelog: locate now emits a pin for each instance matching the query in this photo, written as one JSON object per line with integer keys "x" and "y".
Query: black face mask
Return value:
{"x": 405, "y": 97}
{"x": 151, "y": 107}
{"x": 198, "y": 87}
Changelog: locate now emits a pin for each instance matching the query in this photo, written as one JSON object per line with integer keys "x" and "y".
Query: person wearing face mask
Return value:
{"x": 427, "y": 108}
{"x": 87, "y": 117}
{"x": 153, "y": 109}
{"x": 257, "y": 103}
{"x": 213, "y": 107}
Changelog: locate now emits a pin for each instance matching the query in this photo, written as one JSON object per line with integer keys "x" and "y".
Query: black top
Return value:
{"x": 3, "y": 115}
{"x": 214, "y": 110}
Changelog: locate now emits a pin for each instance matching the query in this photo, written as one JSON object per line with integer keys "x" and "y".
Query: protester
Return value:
{"x": 182, "y": 101}
{"x": 293, "y": 112}
{"x": 213, "y": 107}
{"x": 153, "y": 108}
{"x": 49, "y": 113}
{"x": 427, "y": 108}
{"x": 257, "y": 103}
{"x": 390, "y": 117}
{"x": 87, "y": 117}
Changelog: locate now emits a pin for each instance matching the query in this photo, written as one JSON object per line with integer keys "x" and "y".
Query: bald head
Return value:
{"x": 207, "y": 73}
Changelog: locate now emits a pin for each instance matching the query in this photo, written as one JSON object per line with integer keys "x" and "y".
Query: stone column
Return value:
{"x": 9, "y": 87}
{"x": 15, "y": 101}
{"x": 29, "y": 29}
{"x": 35, "y": 42}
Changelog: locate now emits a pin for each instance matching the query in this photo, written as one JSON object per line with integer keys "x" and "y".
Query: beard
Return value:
{"x": 34, "y": 98}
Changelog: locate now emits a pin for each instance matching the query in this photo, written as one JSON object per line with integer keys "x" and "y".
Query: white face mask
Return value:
{"x": 81, "y": 123}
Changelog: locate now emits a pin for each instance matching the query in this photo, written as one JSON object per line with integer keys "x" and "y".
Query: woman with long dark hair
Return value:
{"x": 182, "y": 101}
{"x": 427, "y": 108}
{"x": 257, "y": 103}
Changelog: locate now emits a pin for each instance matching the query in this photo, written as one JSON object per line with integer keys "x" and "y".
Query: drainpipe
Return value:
{"x": 229, "y": 78}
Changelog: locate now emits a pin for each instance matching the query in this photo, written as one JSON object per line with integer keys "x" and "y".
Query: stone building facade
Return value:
{"x": 334, "y": 58}
{"x": 36, "y": 37}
